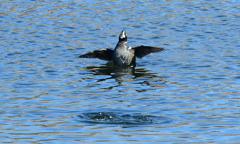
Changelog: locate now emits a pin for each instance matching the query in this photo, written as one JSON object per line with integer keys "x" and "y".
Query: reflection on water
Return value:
{"x": 118, "y": 73}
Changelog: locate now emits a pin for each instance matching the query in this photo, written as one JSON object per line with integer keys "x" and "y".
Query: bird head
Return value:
{"x": 123, "y": 36}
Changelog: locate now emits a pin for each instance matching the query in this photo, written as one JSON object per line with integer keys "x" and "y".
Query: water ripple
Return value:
{"x": 120, "y": 118}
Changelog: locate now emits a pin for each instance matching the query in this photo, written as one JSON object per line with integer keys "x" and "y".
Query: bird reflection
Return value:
{"x": 118, "y": 73}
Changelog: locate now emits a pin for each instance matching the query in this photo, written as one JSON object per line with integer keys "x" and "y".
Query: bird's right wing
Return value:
{"x": 103, "y": 54}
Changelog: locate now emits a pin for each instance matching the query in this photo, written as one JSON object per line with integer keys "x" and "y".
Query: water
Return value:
{"x": 188, "y": 93}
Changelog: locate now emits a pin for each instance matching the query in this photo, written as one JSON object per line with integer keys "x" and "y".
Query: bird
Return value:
{"x": 123, "y": 54}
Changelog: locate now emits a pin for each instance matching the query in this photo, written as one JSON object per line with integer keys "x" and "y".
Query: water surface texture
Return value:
{"x": 187, "y": 94}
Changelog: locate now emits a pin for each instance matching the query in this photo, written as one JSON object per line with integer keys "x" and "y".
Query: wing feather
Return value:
{"x": 103, "y": 54}
{"x": 141, "y": 51}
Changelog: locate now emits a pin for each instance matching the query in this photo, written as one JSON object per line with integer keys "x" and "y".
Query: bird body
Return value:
{"x": 123, "y": 54}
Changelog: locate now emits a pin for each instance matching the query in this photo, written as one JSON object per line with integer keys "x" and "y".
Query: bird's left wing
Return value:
{"x": 141, "y": 51}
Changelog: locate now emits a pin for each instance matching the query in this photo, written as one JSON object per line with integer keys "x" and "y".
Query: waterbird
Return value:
{"x": 123, "y": 54}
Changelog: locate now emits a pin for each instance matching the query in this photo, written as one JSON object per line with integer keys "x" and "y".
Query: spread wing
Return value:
{"x": 141, "y": 51}
{"x": 103, "y": 54}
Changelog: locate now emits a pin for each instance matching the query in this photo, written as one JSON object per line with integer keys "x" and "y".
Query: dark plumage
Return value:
{"x": 123, "y": 54}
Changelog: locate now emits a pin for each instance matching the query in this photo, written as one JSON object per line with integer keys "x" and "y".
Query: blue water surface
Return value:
{"x": 187, "y": 94}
